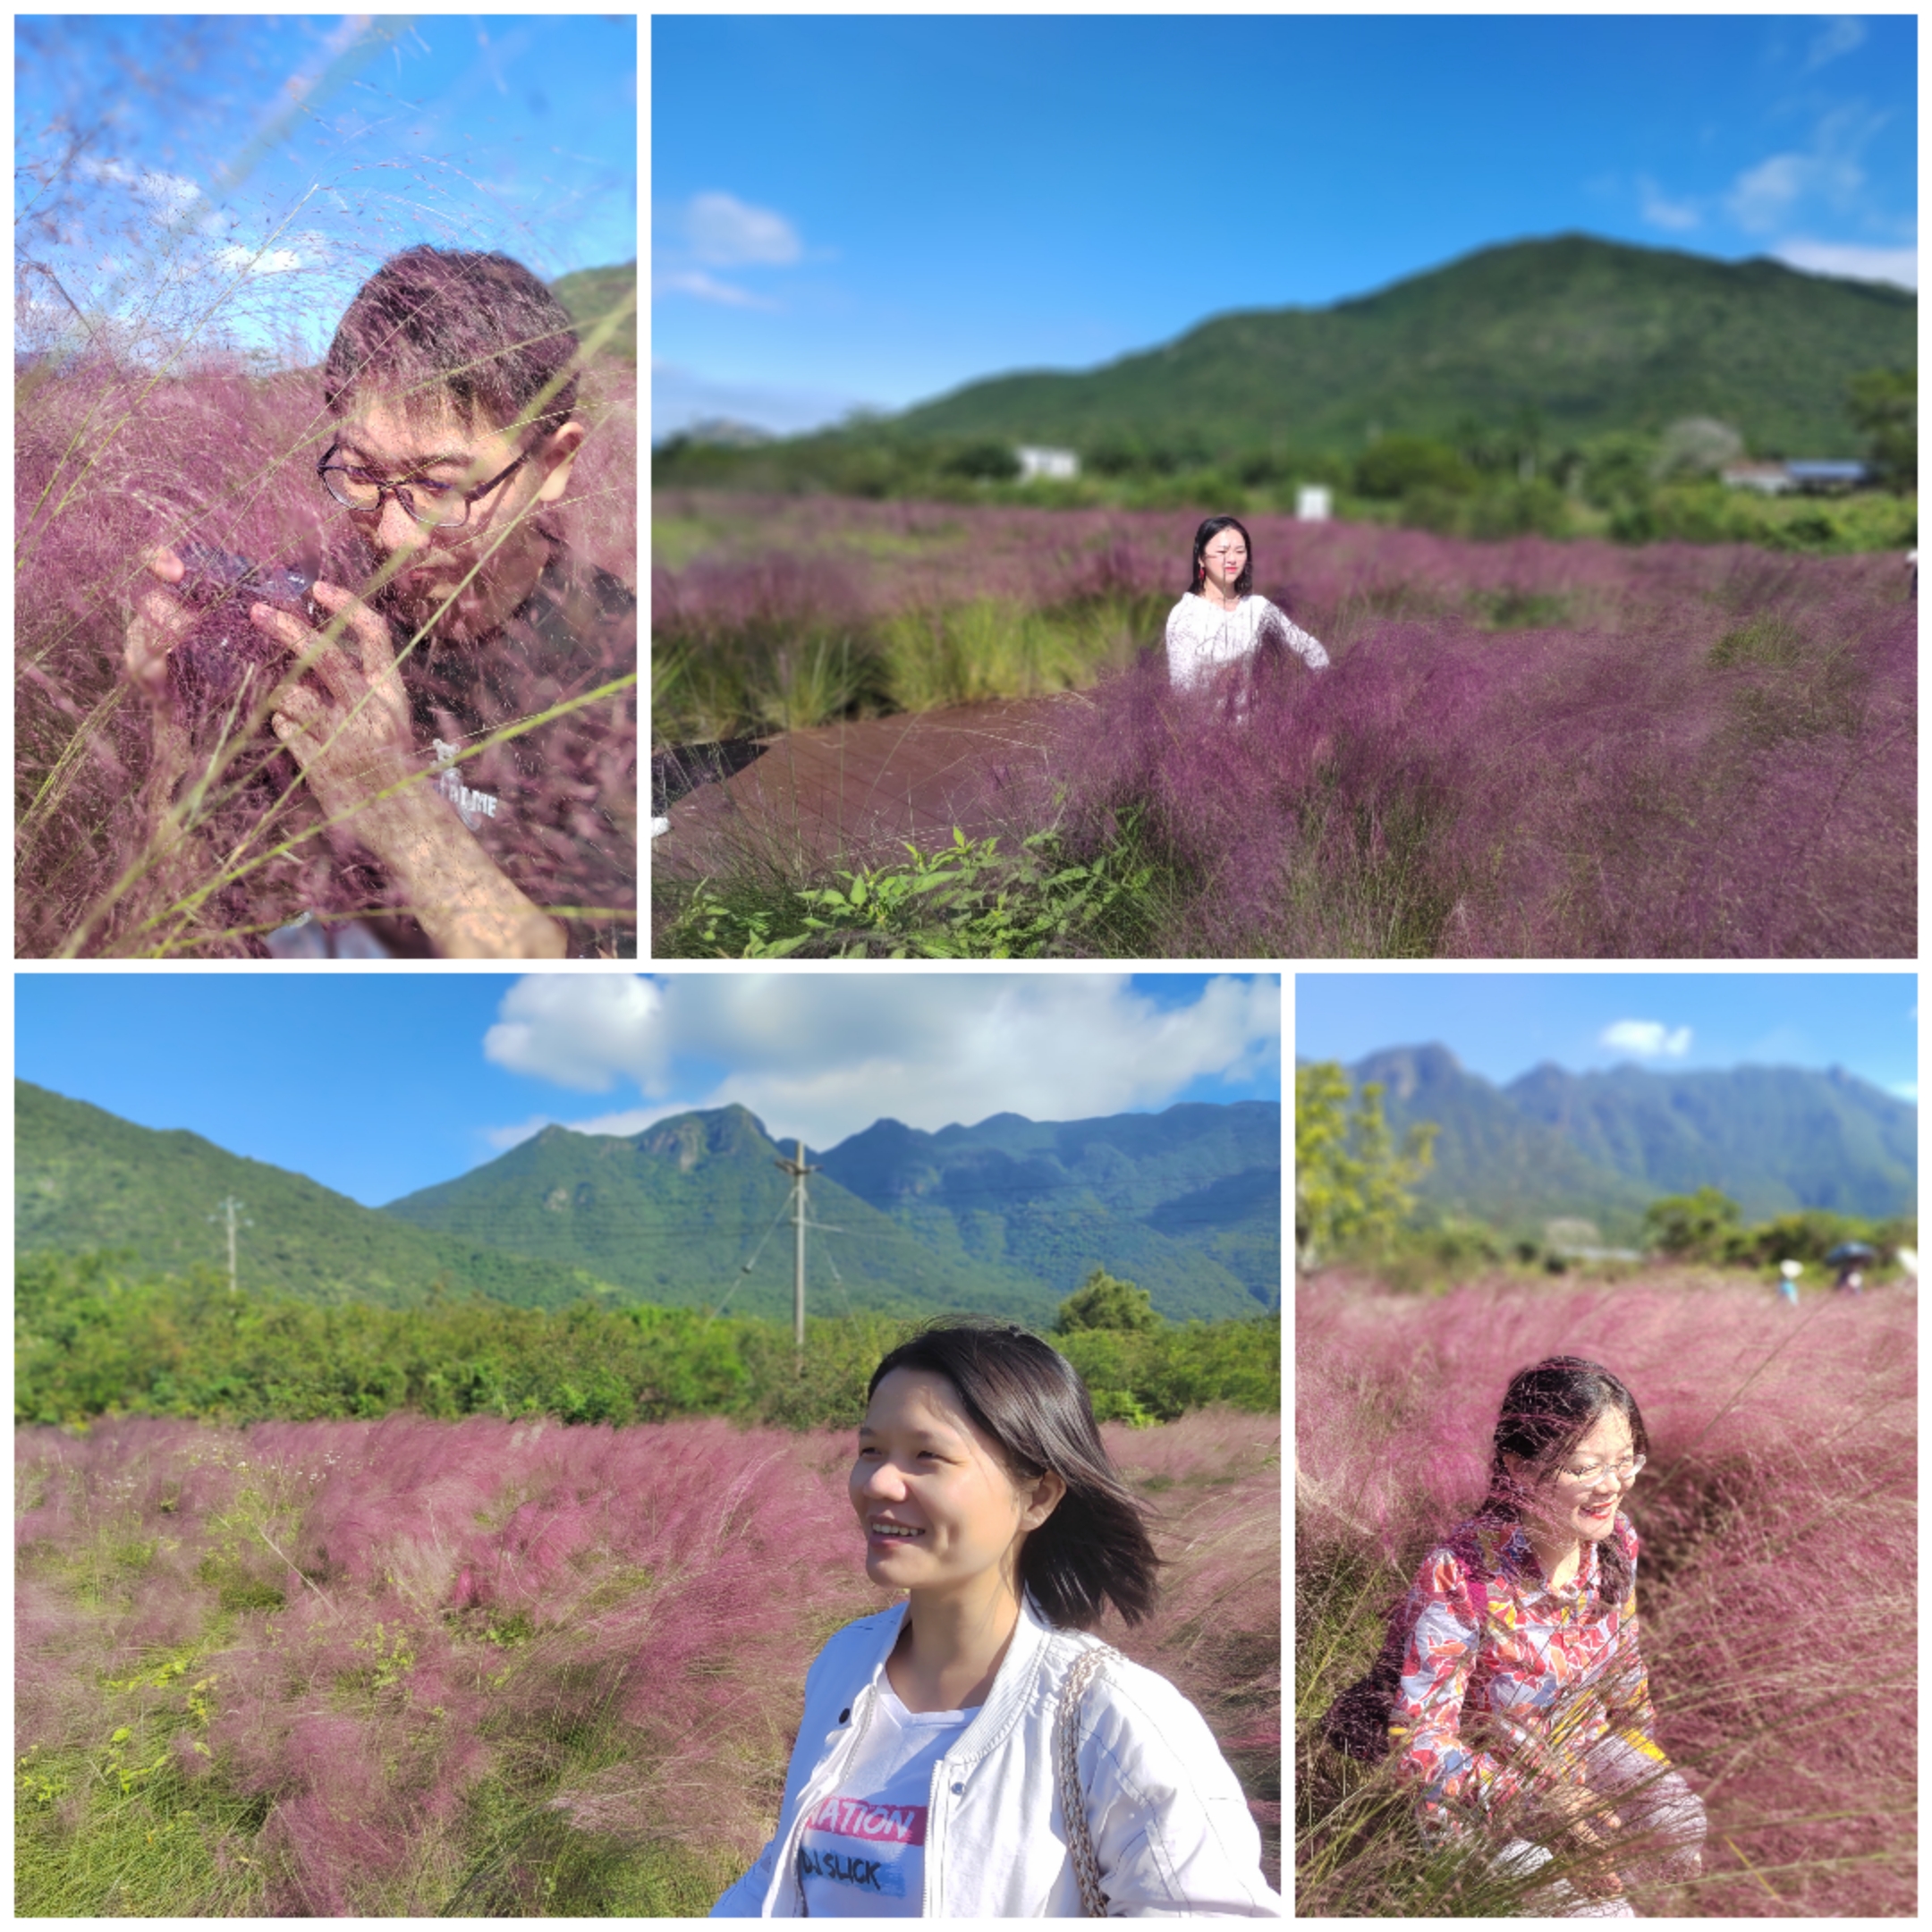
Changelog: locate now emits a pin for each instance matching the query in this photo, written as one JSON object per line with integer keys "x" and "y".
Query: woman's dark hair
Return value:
{"x": 1029, "y": 1399}
{"x": 478, "y": 329}
{"x": 1547, "y": 1410}
{"x": 1210, "y": 530}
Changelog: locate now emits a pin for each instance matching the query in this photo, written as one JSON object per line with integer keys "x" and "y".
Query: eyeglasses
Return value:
{"x": 435, "y": 506}
{"x": 1624, "y": 1471}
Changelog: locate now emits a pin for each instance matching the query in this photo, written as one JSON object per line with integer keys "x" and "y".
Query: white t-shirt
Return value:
{"x": 863, "y": 1851}
{"x": 1202, "y": 637}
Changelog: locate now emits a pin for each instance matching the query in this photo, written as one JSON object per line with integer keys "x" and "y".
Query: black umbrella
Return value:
{"x": 1853, "y": 1250}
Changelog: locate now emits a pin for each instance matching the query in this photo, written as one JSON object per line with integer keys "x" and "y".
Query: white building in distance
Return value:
{"x": 1049, "y": 465}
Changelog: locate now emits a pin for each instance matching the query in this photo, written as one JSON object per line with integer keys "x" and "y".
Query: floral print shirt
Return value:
{"x": 1504, "y": 1679}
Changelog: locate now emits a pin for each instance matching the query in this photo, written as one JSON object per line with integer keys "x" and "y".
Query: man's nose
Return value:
{"x": 397, "y": 530}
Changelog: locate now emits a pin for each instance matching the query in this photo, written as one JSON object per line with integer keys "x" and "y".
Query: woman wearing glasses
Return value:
{"x": 1523, "y": 1710}
{"x": 1219, "y": 621}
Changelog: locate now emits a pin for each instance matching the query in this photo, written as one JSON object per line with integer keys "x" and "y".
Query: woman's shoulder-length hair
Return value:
{"x": 1029, "y": 1400}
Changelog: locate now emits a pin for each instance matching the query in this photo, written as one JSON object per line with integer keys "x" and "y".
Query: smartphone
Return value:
{"x": 211, "y": 576}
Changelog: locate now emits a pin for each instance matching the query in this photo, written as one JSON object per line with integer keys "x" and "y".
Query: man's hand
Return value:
{"x": 352, "y": 740}
{"x": 159, "y": 622}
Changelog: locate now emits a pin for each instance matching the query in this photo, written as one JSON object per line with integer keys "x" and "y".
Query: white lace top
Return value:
{"x": 1202, "y": 637}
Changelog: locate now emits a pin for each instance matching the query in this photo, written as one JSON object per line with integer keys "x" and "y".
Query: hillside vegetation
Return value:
{"x": 1569, "y": 388}
{"x": 84, "y": 1179}
{"x": 1776, "y": 1139}
{"x": 689, "y": 1214}
{"x": 1592, "y": 336}
{"x": 594, "y": 294}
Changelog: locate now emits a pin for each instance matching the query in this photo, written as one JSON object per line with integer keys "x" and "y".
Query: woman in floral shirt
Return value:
{"x": 1523, "y": 1711}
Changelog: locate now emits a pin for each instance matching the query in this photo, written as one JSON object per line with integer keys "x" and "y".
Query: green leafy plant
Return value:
{"x": 968, "y": 900}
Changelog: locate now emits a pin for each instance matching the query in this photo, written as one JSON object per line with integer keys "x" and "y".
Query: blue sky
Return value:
{"x": 377, "y": 1084}
{"x": 873, "y": 210}
{"x": 1502, "y": 1024}
{"x": 279, "y": 158}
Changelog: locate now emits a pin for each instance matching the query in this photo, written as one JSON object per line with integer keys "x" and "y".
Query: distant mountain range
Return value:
{"x": 1592, "y": 336}
{"x": 1601, "y": 1146}
{"x": 1005, "y": 1218}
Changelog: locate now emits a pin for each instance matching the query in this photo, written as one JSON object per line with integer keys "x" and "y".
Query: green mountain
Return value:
{"x": 1591, "y": 336}
{"x": 1493, "y": 1160}
{"x": 1181, "y": 1201}
{"x": 1601, "y": 1144}
{"x": 592, "y": 294}
{"x": 1005, "y": 1218}
{"x": 1774, "y": 1139}
{"x": 84, "y": 1179}
{"x": 674, "y": 1214}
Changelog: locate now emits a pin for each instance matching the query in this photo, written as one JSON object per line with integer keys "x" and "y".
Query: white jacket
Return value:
{"x": 1171, "y": 1826}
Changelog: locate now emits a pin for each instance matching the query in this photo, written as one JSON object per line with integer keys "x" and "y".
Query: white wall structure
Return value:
{"x": 1313, "y": 504}
{"x": 1054, "y": 465}
{"x": 1771, "y": 479}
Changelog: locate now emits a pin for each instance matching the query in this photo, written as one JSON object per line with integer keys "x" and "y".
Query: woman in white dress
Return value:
{"x": 1219, "y": 621}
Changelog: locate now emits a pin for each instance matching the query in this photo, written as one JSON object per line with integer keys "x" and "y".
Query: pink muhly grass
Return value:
{"x": 1530, "y": 748}
{"x": 1442, "y": 789}
{"x": 1774, "y": 1584}
{"x": 108, "y": 465}
{"x": 488, "y": 1628}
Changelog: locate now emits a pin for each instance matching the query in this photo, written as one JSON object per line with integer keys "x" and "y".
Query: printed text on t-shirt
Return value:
{"x": 854, "y": 1817}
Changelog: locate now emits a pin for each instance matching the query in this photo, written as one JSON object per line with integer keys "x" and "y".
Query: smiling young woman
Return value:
{"x": 1220, "y": 621}
{"x": 1521, "y": 1712}
{"x": 972, "y": 1752}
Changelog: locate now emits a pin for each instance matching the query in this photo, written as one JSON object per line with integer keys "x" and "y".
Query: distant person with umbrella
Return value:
{"x": 1850, "y": 1256}
{"x": 1788, "y": 1274}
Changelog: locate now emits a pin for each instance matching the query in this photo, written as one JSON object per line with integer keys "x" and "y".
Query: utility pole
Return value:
{"x": 797, "y": 1168}
{"x": 230, "y": 1209}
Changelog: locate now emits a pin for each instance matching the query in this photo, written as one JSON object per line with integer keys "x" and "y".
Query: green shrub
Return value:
{"x": 90, "y": 1342}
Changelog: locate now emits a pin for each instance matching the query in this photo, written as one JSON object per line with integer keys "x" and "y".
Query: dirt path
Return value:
{"x": 859, "y": 793}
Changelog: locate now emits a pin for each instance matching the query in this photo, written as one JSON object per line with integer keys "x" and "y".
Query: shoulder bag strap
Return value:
{"x": 1066, "y": 1775}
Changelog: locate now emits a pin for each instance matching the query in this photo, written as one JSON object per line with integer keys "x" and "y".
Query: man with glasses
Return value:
{"x": 460, "y": 712}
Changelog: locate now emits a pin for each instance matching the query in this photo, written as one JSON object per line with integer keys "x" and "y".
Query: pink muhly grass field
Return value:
{"x": 107, "y": 465}
{"x": 1530, "y": 748}
{"x": 1777, "y": 1584}
{"x": 487, "y": 1667}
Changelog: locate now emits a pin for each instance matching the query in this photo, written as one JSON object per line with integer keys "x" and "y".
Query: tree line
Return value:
{"x": 93, "y": 1336}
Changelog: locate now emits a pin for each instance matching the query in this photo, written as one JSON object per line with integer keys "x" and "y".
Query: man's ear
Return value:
{"x": 557, "y": 457}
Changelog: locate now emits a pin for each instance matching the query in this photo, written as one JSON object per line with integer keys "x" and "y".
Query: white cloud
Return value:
{"x": 1899, "y": 266}
{"x": 1906, "y": 1090}
{"x": 695, "y": 281}
{"x": 726, "y": 232}
{"x": 1842, "y": 36}
{"x": 1763, "y": 199}
{"x": 1648, "y": 1039}
{"x": 1663, "y": 213}
{"x": 582, "y": 1030}
{"x": 825, "y": 1055}
{"x": 1762, "y": 194}
{"x": 262, "y": 262}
